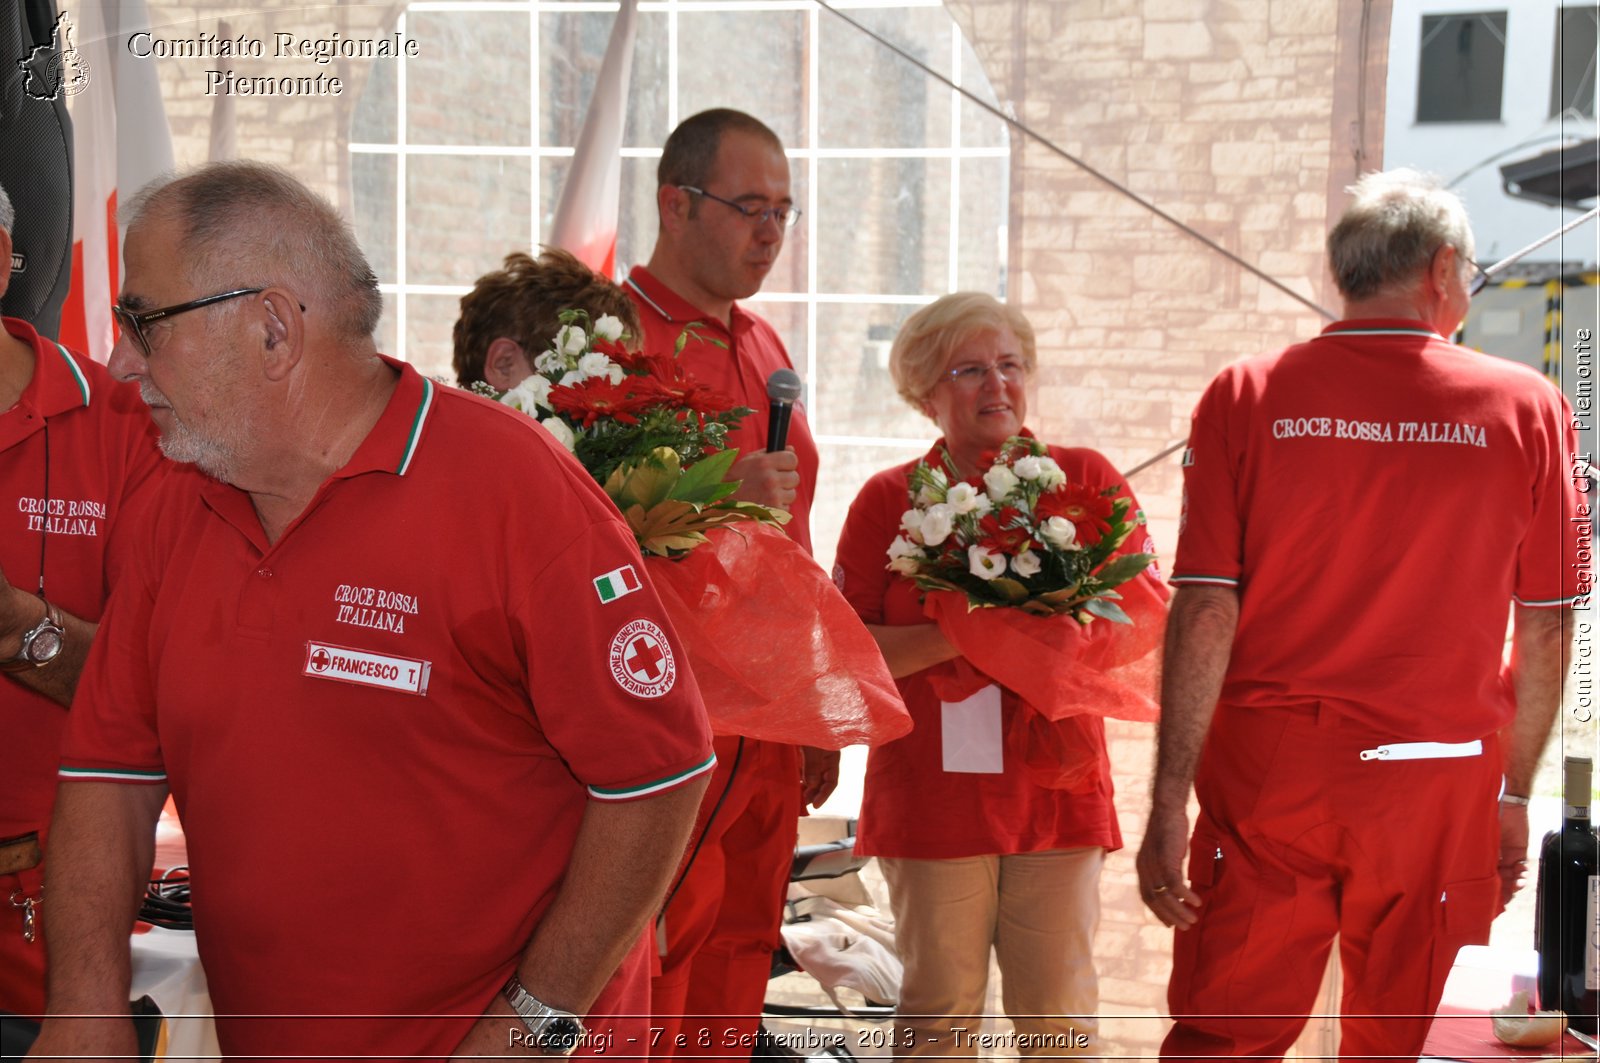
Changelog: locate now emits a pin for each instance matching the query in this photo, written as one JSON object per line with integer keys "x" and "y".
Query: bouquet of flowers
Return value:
{"x": 656, "y": 440}
{"x": 651, "y": 435}
{"x": 1021, "y": 536}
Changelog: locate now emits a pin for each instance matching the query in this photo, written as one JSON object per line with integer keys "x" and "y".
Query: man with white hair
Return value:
{"x": 432, "y": 780}
{"x": 74, "y": 445}
{"x": 1362, "y": 512}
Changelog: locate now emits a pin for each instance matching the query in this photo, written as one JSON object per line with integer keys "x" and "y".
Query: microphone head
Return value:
{"x": 783, "y": 386}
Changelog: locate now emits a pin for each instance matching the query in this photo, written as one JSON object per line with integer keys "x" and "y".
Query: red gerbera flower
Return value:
{"x": 996, "y": 536}
{"x": 1087, "y": 509}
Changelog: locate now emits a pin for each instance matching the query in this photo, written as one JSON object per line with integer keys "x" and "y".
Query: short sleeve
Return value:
{"x": 861, "y": 563}
{"x": 111, "y": 731}
{"x": 1210, "y": 531}
{"x": 610, "y": 683}
{"x": 1552, "y": 566}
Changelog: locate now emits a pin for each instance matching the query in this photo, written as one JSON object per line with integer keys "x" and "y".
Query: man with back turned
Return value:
{"x": 1362, "y": 512}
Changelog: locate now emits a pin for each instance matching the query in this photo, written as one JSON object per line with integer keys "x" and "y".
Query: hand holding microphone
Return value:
{"x": 773, "y": 478}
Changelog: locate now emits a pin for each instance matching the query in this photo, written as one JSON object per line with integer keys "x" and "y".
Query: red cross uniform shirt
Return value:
{"x": 748, "y": 354}
{"x": 382, "y": 730}
{"x": 1380, "y": 497}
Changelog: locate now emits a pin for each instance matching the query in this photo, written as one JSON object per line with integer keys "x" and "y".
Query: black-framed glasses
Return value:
{"x": 1011, "y": 370}
{"x": 135, "y": 322}
{"x": 784, "y": 216}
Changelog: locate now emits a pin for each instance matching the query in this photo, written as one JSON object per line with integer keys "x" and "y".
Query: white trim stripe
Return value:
{"x": 1221, "y": 581}
{"x": 112, "y": 775}
{"x": 83, "y": 381}
{"x": 416, "y": 426}
{"x": 1550, "y": 603}
{"x": 631, "y": 792}
{"x": 1336, "y": 333}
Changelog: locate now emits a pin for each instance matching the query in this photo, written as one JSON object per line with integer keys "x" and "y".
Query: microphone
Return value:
{"x": 783, "y": 387}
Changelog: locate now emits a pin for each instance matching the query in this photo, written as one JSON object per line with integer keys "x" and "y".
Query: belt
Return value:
{"x": 20, "y": 853}
{"x": 1424, "y": 750}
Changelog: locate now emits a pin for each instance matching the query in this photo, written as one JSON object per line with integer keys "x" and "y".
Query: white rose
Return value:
{"x": 1059, "y": 532}
{"x": 571, "y": 341}
{"x": 904, "y": 556}
{"x": 964, "y": 498}
{"x": 534, "y": 392}
{"x": 1050, "y": 474}
{"x": 911, "y": 522}
{"x": 571, "y": 377}
{"x": 608, "y": 328}
{"x": 938, "y": 521}
{"x": 596, "y": 364}
{"x": 521, "y": 399}
{"x": 985, "y": 564}
{"x": 1000, "y": 481}
{"x": 563, "y": 433}
{"x": 1026, "y": 564}
{"x": 549, "y": 362}
{"x": 1028, "y": 468}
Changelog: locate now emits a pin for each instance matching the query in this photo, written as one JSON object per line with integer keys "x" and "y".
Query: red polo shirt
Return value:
{"x": 737, "y": 362}
{"x": 1380, "y": 497}
{"x": 62, "y": 496}
{"x": 911, "y": 806}
{"x": 382, "y": 730}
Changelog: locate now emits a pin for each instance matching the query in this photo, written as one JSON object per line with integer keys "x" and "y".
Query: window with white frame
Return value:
{"x": 1461, "y": 72}
{"x": 458, "y": 155}
{"x": 1572, "y": 75}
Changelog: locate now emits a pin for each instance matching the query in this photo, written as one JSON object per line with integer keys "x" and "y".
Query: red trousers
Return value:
{"x": 1299, "y": 840}
{"x": 21, "y": 961}
{"x": 720, "y": 928}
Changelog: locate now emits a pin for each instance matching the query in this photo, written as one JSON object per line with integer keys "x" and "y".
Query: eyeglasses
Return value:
{"x": 784, "y": 216}
{"x": 1480, "y": 280}
{"x": 135, "y": 323}
{"x": 1011, "y": 370}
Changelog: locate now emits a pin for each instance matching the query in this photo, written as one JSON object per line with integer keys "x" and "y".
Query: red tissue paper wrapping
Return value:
{"x": 778, "y": 653}
{"x": 1069, "y": 676}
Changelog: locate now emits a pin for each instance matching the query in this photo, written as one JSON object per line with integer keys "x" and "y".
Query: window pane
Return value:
{"x": 1573, "y": 78}
{"x": 552, "y": 172}
{"x": 789, "y": 273}
{"x": 372, "y": 186}
{"x": 430, "y": 320}
{"x": 855, "y": 396}
{"x": 883, "y": 226}
{"x": 573, "y": 45}
{"x": 463, "y": 215}
{"x": 980, "y": 254}
{"x": 1462, "y": 67}
{"x": 375, "y": 120}
{"x": 871, "y": 97}
{"x": 468, "y": 58}
{"x": 790, "y": 321}
{"x": 752, "y": 60}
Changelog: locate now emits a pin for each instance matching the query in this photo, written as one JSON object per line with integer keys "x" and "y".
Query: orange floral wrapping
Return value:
{"x": 1069, "y": 677}
{"x": 778, "y": 653}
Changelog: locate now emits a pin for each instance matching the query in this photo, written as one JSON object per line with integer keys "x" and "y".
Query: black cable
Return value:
{"x": 166, "y": 901}
{"x": 733, "y": 770}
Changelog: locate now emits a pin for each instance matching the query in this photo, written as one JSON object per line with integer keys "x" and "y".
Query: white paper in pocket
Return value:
{"x": 971, "y": 733}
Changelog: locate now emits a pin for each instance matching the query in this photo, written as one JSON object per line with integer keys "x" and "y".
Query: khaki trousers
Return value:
{"x": 1037, "y": 911}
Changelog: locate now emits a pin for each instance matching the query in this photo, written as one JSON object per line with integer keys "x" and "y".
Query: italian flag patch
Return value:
{"x": 618, "y": 583}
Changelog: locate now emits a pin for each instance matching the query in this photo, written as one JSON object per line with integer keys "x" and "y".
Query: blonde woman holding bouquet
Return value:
{"x": 992, "y": 824}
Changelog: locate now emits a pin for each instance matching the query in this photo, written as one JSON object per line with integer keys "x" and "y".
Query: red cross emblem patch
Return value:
{"x": 642, "y": 661}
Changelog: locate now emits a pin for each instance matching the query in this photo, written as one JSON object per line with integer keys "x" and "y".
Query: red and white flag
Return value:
{"x": 586, "y": 215}
{"x": 120, "y": 142}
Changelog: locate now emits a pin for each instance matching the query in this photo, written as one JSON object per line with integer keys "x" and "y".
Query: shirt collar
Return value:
{"x": 670, "y": 306}
{"x": 58, "y": 383}
{"x": 1379, "y": 326}
{"x": 392, "y": 444}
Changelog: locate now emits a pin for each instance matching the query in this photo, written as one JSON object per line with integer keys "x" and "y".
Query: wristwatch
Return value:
{"x": 555, "y": 1033}
{"x": 41, "y": 644}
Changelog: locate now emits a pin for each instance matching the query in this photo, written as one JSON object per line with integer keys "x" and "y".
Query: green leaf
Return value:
{"x": 1107, "y": 610}
{"x": 1009, "y": 590}
{"x": 1120, "y": 570}
{"x": 705, "y": 475}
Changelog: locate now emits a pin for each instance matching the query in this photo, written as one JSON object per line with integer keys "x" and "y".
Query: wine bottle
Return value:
{"x": 1567, "y": 916}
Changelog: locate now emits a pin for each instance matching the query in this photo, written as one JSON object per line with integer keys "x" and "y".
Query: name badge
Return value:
{"x": 324, "y": 660}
